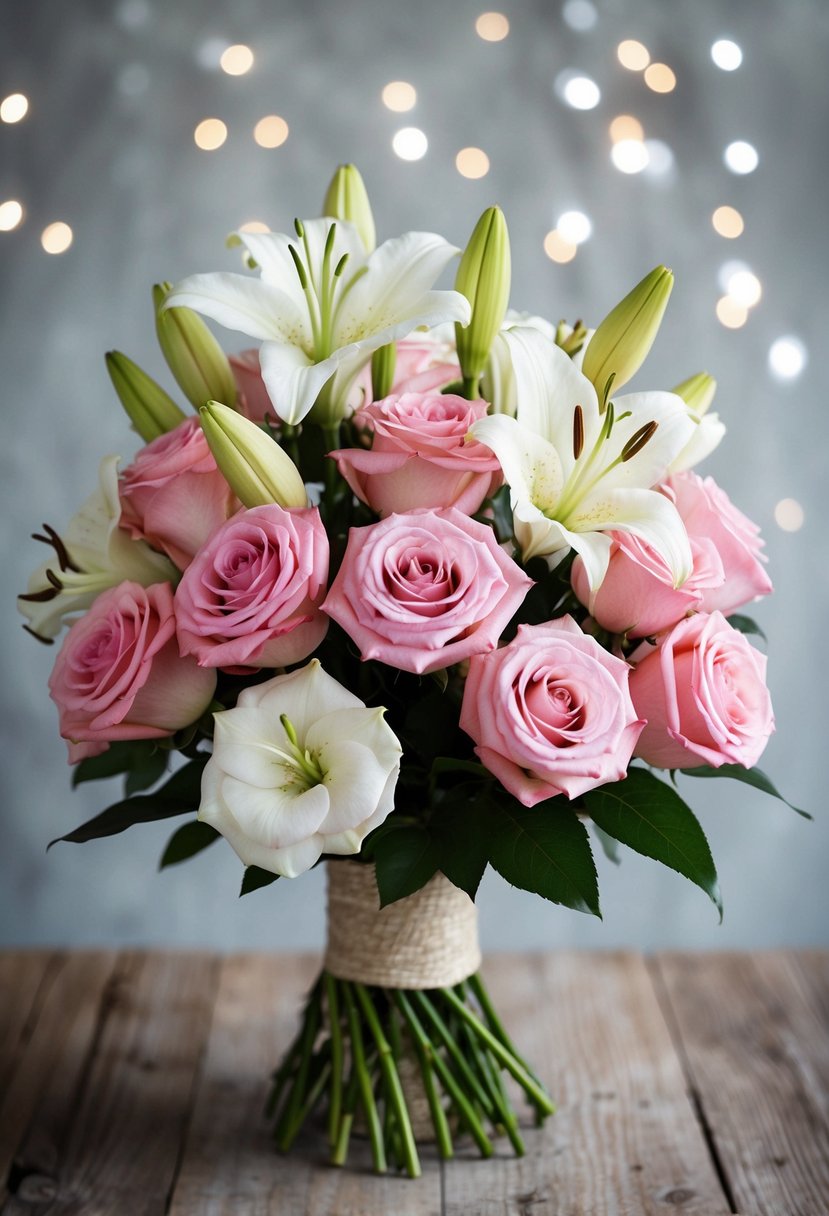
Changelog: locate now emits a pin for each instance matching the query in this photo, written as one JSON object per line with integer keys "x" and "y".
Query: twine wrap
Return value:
{"x": 428, "y": 940}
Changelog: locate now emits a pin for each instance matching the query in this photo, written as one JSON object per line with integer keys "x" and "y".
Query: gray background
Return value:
{"x": 116, "y": 91}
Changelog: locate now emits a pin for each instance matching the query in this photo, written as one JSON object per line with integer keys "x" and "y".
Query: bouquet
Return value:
{"x": 417, "y": 590}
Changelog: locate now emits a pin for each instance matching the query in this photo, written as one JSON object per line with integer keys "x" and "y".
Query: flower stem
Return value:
{"x": 335, "y": 1031}
{"x": 378, "y": 1151}
{"x": 392, "y": 1080}
{"x": 424, "y": 1004}
{"x": 290, "y": 1117}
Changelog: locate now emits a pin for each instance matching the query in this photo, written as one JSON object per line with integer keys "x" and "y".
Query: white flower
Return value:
{"x": 299, "y": 768}
{"x": 498, "y": 381}
{"x": 322, "y": 306}
{"x": 576, "y": 473}
{"x": 93, "y": 553}
{"x": 698, "y": 392}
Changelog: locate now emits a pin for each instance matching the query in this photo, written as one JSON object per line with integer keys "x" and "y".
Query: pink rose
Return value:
{"x": 424, "y": 590}
{"x": 709, "y": 515}
{"x": 119, "y": 674}
{"x": 173, "y": 495}
{"x": 551, "y": 712}
{"x": 250, "y": 596}
{"x": 637, "y": 596}
{"x": 703, "y": 692}
{"x": 252, "y": 400}
{"x": 419, "y": 457}
{"x": 424, "y": 363}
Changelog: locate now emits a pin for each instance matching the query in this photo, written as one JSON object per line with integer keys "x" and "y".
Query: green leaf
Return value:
{"x": 152, "y": 769}
{"x": 186, "y": 841}
{"x": 405, "y": 860}
{"x": 610, "y": 847}
{"x": 650, "y": 817}
{"x": 119, "y": 757}
{"x": 459, "y": 828}
{"x": 545, "y": 849}
{"x": 749, "y": 776}
{"x": 254, "y": 878}
{"x": 745, "y": 625}
{"x": 181, "y": 795}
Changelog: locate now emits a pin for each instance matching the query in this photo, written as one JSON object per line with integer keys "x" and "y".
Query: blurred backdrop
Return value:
{"x": 616, "y": 134}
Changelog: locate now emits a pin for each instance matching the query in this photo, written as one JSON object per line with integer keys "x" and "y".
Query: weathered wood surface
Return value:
{"x": 133, "y": 1084}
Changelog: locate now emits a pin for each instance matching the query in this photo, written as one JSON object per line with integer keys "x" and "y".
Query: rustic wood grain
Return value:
{"x": 753, "y": 1030}
{"x": 625, "y": 1140}
{"x": 122, "y": 1141}
{"x": 21, "y": 980}
{"x": 229, "y": 1166}
{"x": 37, "y": 1100}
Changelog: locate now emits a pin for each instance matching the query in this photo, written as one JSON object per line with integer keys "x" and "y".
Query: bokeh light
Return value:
{"x": 399, "y": 95}
{"x": 574, "y": 227}
{"x": 492, "y": 27}
{"x": 236, "y": 60}
{"x": 744, "y": 287}
{"x": 728, "y": 222}
{"x": 741, "y": 157}
{"x": 254, "y": 226}
{"x": 576, "y": 90}
{"x": 726, "y": 54}
{"x": 11, "y": 214}
{"x": 580, "y": 15}
{"x": 661, "y": 161}
{"x": 210, "y": 134}
{"x": 14, "y": 107}
{"x": 629, "y": 155}
{"x": 472, "y": 162}
{"x": 731, "y": 313}
{"x": 660, "y": 78}
{"x": 789, "y": 515}
{"x": 271, "y": 131}
{"x": 410, "y": 143}
{"x": 787, "y": 357}
{"x": 57, "y": 237}
{"x": 633, "y": 55}
{"x": 625, "y": 126}
{"x": 557, "y": 248}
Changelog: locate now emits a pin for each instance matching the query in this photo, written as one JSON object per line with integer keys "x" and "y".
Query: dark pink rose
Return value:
{"x": 703, "y": 692}
{"x": 119, "y": 674}
{"x": 250, "y": 597}
{"x": 425, "y": 590}
{"x": 709, "y": 515}
{"x": 252, "y": 399}
{"x": 551, "y": 712}
{"x": 637, "y": 595}
{"x": 419, "y": 457}
{"x": 173, "y": 495}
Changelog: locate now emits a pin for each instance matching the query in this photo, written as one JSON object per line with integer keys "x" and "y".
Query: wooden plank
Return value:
{"x": 38, "y": 1097}
{"x": 625, "y": 1140}
{"x": 21, "y": 977}
{"x": 121, "y": 1143}
{"x": 755, "y": 1042}
{"x": 229, "y": 1164}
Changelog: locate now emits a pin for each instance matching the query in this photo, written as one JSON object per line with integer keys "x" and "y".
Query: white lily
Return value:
{"x": 322, "y": 306}
{"x": 576, "y": 473}
{"x": 93, "y": 554}
{"x": 698, "y": 392}
{"x": 300, "y": 767}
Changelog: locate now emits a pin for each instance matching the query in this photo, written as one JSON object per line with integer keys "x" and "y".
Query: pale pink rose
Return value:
{"x": 703, "y": 693}
{"x": 551, "y": 712}
{"x": 119, "y": 674}
{"x": 419, "y": 457}
{"x": 252, "y": 397}
{"x": 423, "y": 363}
{"x": 250, "y": 597}
{"x": 173, "y": 495}
{"x": 637, "y": 596}
{"x": 425, "y": 590}
{"x": 709, "y": 514}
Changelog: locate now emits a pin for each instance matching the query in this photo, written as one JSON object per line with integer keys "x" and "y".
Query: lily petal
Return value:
{"x": 646, "y": 514}
{"x": 248, "y": 305}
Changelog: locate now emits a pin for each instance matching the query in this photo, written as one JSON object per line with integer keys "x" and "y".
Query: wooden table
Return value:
{"x": 132, "y": 1084}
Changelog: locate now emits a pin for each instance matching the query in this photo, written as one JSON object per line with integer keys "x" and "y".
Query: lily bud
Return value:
{"x": 697, "y": 392}
{"x": 347, "y": 199}
{"x": 150, "y": 410}
{"x": 193, "y": 355}
{"x": 383, "y": 363}
{"x": 484, "y": 278}
{"x": 621, "y": 343}
{"x": 255, "y": 467}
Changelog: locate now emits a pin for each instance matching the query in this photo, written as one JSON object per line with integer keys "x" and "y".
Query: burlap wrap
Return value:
{"x": 428, "y": 940}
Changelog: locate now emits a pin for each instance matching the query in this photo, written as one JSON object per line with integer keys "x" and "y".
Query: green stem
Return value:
{"x": 505, "y": 1057}
{"x": 312, "y": 1097}
{"x": 306, "y": 1044}
{"x": 495, "y": 1024}
{"x": 426, "y": 1056}
{"x": 392, "y": 1080}
{"x": 465, "y": 1108}
{"x": 340, "y": 1152}
{"x": 424, "y": 1005}
{"x": 471, "y": 388}
{"x": 375, "y": 1132}
{"x": 337, "y": 1058}
{"x": 281, "y": 1078}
